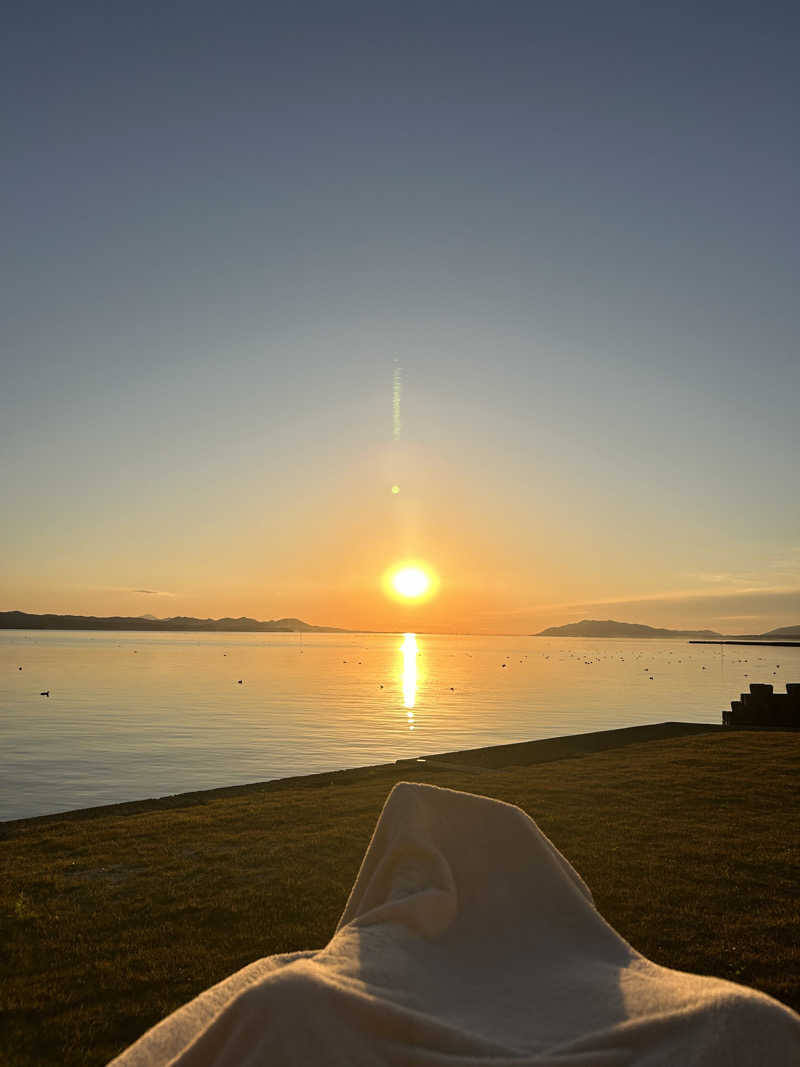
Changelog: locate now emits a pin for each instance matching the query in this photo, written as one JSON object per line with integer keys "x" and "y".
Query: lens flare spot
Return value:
{"x": 395, "y": 489}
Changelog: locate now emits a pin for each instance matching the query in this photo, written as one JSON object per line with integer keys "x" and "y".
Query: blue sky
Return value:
{"x": 572, "y": 226}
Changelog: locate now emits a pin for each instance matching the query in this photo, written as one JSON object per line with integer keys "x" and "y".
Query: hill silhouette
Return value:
{"x": 21, "y": 620}
{"x": 783, "y": 631}
{"x": 610, "y": 628}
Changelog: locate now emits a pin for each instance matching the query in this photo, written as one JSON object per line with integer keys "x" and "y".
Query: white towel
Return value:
{"x": 469, "y": 938}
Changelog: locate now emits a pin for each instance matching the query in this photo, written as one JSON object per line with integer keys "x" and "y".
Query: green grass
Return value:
{"x": 110, "y": 919}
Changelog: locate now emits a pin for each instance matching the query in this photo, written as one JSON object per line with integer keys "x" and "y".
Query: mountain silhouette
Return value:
{"x": 21, "y": 620}
{"x": 610, "y": 628}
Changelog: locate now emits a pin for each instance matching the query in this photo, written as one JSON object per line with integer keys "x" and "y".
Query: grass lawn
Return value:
{"x": 111, "y": 918}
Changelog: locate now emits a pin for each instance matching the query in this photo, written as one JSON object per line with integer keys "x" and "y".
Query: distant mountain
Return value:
{"x": 610, "y": 628}
{"x": 21, "y": 620}
{"x": 784, "y": 631}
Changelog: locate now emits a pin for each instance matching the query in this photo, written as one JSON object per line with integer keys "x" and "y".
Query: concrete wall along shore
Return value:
{"x": 762, "y": 707}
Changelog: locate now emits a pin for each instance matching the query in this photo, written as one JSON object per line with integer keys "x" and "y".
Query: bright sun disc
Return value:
{"x": 411, "y": 582}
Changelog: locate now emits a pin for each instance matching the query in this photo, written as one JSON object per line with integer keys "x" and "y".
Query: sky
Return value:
{"x": 534, "y": 264}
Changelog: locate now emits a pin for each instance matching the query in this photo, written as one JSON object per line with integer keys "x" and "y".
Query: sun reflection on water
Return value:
{"x": 409, "y": 650}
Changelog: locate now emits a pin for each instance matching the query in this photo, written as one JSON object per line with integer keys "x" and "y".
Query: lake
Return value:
{"x": 136, "y": 715}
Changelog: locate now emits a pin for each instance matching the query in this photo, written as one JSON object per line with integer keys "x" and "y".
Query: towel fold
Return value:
{"x": 468, "y": 938}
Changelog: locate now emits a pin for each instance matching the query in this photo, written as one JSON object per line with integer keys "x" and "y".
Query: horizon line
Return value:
{"x": 325, "y": 628}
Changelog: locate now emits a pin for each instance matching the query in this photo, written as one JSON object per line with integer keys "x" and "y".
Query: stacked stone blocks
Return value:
{"x": 762, "y": 707}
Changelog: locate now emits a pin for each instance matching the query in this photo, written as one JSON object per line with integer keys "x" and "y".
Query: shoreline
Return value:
{"x": 475, "y": 760}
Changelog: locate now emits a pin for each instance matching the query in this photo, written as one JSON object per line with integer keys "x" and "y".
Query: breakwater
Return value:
{"x": 765, "y": 644}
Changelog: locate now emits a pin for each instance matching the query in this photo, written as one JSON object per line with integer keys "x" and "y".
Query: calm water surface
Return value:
{"x": 135, "y": 715}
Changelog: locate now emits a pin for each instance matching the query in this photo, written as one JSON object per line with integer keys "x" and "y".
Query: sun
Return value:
{"x": 410, "y": 581}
